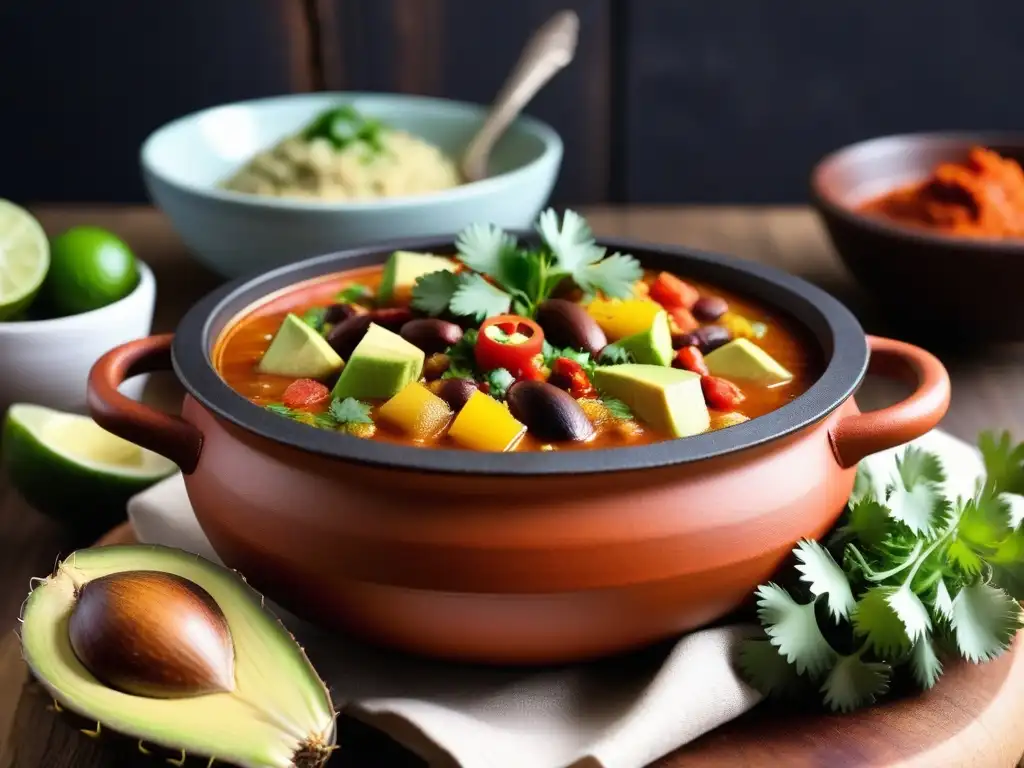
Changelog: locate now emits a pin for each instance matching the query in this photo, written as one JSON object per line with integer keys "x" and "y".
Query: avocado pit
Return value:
{"x": 152, "y": 634}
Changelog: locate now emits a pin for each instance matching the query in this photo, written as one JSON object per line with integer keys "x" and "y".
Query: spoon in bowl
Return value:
{"x": 549, "y": 50}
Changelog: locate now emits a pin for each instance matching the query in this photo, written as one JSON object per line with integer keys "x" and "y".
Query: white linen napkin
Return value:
{"x": 619, "y": 713}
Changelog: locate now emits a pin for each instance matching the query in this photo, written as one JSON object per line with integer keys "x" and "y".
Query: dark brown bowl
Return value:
{"x": 935, "y": 287}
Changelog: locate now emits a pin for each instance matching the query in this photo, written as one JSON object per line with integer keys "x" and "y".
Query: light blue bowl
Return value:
{"x": 236, "y": 234}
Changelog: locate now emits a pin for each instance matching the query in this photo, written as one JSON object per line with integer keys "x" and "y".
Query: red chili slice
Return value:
{"x": 306, "y": 394}
{"x": 720, "y": 394}
{"x": 513, "y": 357}
{"x": 691, "y": 359}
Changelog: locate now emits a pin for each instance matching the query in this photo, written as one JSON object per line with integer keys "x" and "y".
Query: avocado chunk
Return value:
{"x": 200, "y": 666}
{"x": 300, "y": 352}
{"x": 742, "y": 360}
{"x": 653, "y": 346}
{"x": 402, "y": 270}
{"x": 380, "y": 366}
{"x": 667, "y": 399}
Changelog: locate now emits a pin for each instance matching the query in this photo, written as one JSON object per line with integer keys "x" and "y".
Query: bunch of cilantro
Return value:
{"x": 502, "y": 276}
{"x": 909, "y": 578}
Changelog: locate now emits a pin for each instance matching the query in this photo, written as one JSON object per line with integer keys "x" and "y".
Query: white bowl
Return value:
{"x": 47, "y": 362}
{"x": 184, "y": 161}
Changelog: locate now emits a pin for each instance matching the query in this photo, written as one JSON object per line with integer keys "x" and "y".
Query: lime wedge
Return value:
{"x": 24, "y": 258}
{"x": 72, "y": 470}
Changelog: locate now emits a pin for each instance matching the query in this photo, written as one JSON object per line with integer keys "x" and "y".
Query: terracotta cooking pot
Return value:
{"x": 523, "y": 557}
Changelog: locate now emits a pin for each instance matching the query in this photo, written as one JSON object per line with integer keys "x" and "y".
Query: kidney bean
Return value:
{"x": 392, "y": 318}
{"x": 706, "y": 338}
{"x": 431, "y": 334}
{"x": 567, "y": 324}
{"x": 707, "y": 309}
{"x": 548, "y": 412}
{"x": 344, "y": 337}
{"x": 337, "y": 313}
{"x": 456, "y": 392}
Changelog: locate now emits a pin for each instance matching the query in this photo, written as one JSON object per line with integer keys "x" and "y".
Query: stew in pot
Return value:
{"x": 501, "y": 346}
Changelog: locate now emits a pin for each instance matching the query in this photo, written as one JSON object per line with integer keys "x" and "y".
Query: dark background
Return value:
{"x": 716, "y": 101}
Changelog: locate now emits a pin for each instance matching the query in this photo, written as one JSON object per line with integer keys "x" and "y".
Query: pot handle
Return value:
{"x": 170, "y": 436}
{"x": 862, "y": 434}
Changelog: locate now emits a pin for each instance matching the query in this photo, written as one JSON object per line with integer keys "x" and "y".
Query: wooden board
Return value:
{"x": 969, "y": 719}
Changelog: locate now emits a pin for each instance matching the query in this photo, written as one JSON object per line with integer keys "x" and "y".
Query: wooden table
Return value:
{"x": 977, "y": 708}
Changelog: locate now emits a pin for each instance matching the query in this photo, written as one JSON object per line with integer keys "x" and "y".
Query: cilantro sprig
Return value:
{"x": 908, "y": 578}
{"x": 501, "y": 275}
{"x": 339, "y": 414}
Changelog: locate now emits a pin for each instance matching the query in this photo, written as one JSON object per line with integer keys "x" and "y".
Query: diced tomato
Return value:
{"x": 306, "y": 394}
{"x": 682, "y": 320}
{"x": 531, "y": 370}
{"x": 669, "y": 291}
{"x": 691, "y": 359}
{"x": 720, "y": 394}
{"x": 569, "y": 375}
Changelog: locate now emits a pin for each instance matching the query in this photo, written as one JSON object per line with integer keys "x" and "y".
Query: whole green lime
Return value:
{"x": 90, "y": 268}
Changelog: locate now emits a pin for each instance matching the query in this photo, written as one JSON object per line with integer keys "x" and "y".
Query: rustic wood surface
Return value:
{"x": 970, "y": 719}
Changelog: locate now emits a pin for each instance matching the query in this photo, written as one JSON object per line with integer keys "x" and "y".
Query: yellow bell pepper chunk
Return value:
{"x": 416, "y": 411}
{"x": 737, "y": 325}
{"x": 620, "y": 318}
{"x": 484, "y": 424}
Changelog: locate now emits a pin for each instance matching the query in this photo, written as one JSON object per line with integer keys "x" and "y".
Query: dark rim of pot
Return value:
{"x": 838, "y": 333}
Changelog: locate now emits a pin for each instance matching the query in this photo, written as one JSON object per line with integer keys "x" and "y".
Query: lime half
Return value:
{"x": 24, "y": 258}
{"x": 72, "y": 470}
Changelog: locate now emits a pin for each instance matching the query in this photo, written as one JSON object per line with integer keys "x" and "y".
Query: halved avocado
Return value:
{"x": 263, "y": 706}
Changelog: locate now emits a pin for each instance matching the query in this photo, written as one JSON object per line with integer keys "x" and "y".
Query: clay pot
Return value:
{"x": 524, "y": 557}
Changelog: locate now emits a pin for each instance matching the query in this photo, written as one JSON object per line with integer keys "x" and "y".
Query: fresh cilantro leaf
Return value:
{"x": 924, "y": 662}
{"x": 354, "y": 294}
{"x": 281, "y": 409}
{"x": 985, "y": 620}
{"x": 863, "y": 484}
{"x": 617, "y": 409}
{"x": 613, "y": 354}
{"x": 461, "y": 357}
{"x": 321, "y": 420}
{"x": 854, "y": 683}
{"x": 575, "y": 253}
{"x": 1004, "y": 461}
{"x": 793, "y": 629}
{"x": 868, "y": 521}
{"x": 572, "y": 244}
{"x": 433, "y": 292}
{"x": 1007, "y": 564}
{"x": 498, "y": 381}
{"x": 824, "y": 577}
{"x": 314, "y": 318}
{"x": 916, "y": 500}
{"x": 984, "y": 521}
{"x": 911, "y": 612}
{"x": 962, "y": 556}
{"x": 523, "y": 274}
{"x": 918, "y": 466}
{"x": 614, "y": 276}
{"x": 350, "y": 411}
{"x": 484, "y": 248}
{"x": 475, "y": 297}
{"x": 875, "y": 620}
{"x": 766, "y": 669}
{"x": 943, "y": 601}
